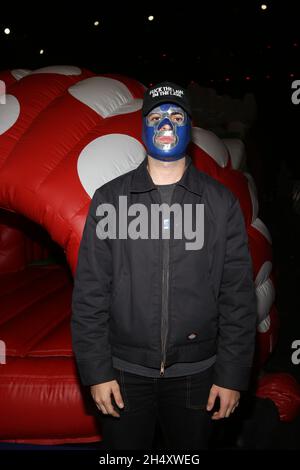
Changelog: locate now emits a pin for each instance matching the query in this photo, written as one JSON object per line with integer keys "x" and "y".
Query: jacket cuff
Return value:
{"x": 232, "y": 376}
{"x": 94, "y": 372}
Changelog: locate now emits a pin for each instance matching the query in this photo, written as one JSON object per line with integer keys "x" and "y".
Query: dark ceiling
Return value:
{"x": 223, "y": 41}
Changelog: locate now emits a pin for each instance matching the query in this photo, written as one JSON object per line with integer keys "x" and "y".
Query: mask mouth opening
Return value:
{"x": 165, "y": 140}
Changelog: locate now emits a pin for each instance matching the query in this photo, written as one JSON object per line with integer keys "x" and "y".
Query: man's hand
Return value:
{"x": 229, "y": 400}
{"x": 101, "y": 394}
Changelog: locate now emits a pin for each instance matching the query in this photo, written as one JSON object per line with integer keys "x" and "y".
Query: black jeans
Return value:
{"x": 179, "y": 405}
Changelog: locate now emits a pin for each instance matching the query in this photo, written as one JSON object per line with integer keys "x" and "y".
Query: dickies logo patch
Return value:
{"x": 192, "y": 335}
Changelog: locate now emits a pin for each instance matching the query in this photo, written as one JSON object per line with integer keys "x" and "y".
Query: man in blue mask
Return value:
{"x": 182, "y": 329}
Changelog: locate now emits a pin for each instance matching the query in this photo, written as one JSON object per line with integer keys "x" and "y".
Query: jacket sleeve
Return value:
{"x": 90, "y": 304}
{"x": 237, "y": 307}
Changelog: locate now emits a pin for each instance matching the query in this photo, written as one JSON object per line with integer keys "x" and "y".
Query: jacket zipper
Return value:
{"x": 165, "y": 301}
{"x": 164, "y": 315}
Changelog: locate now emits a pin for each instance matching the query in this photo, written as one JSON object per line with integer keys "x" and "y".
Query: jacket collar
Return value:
{"x": 141, "y": 180}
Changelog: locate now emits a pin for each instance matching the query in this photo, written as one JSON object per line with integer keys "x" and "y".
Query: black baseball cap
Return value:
{"x": 166, "y": 92}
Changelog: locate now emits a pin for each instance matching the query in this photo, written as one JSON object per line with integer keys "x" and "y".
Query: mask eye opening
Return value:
{"x": 153, "y": 118}
{"x": 178, "y": 117}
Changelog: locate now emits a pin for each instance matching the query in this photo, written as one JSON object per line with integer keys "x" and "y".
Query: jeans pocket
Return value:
{"x": 197, "y": 389}
{"x": 138, "y": 392}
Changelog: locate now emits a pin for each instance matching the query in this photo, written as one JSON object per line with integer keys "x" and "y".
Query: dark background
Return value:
{"x": 233, "y": 46}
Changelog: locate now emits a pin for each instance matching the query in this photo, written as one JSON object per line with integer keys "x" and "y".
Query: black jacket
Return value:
{"x": 129, "y": 302}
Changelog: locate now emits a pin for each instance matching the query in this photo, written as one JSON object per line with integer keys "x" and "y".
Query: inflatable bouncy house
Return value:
{"x": 64, "y": 132}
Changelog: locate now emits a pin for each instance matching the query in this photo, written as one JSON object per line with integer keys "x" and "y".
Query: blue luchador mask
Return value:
{"x": 167, "y": 132}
